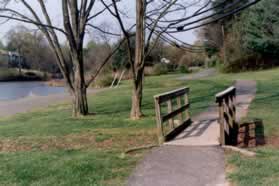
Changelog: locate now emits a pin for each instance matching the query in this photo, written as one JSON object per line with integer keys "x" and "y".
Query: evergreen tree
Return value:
{"x": 261, "y": 28}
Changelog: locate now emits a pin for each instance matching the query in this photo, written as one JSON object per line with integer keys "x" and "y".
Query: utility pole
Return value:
{"x": 19, "y": 62}
{"x": 224, "y": 45}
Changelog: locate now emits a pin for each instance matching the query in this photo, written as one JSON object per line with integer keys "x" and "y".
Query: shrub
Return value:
{"x": 103, "y": 80}
{"x": 248, "y": 62}
{"x": 160, "y": 69}
{"x": 184, "y": 69}
{"x": 213, "y": 61}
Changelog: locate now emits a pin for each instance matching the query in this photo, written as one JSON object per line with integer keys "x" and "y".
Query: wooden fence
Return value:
{"x": 172, "y": 113}
{"x": 227, "y": 116}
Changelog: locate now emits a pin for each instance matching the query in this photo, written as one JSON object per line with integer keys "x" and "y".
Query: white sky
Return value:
{"x": 55, "y": 13}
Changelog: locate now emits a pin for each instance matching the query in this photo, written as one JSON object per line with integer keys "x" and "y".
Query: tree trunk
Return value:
{"x": 80, "y": 104}
{"x": 138, "y": 66}
{"x": 136, "y": 112}
{"x": 224, "y": 45}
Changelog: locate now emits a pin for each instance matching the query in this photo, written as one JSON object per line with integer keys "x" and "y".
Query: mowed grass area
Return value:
{"x": 49, "y": 147}
{"x": 263, "y": 170}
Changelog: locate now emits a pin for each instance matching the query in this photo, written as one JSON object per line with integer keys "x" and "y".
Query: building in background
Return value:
{"x": 4, "y": 58}
{"x": 10, "y": 59}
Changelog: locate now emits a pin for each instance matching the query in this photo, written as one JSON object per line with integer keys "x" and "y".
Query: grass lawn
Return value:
{"x": 49, "y": 147}
{"x": 263, "y": 170}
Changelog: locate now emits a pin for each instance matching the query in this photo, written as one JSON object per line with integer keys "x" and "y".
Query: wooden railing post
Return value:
{"x": 171, "y": 122}
{"x": 233, "y": 106}
{"x": 168, "y": 133}
{"x": 179, "y": 104}
{"x": 227, "y": 116}
{"x": 235, "y": 125}
{"x": 221, "y": 122}
{"x": 160, "y": 130}
{"x": 186, "y": 98}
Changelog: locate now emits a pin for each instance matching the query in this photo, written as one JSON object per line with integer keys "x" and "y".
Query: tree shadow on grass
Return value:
{"x": 198, "y": 99}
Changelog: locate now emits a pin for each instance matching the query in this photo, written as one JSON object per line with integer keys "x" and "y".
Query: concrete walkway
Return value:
{"x": 199, "y": 75}
{"x": 195, "y": 157}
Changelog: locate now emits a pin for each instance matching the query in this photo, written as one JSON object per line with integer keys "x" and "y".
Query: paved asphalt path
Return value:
{"x": 181, "y": 166}
{"x": 199, "y": 75}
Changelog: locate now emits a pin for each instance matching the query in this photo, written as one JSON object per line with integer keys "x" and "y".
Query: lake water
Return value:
{"x": 16, "y": 90}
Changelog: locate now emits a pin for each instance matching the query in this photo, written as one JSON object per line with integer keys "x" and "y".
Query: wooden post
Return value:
{"x": 168, "y": 133}
{"x": 234, "y": 107}
{"x": 178, "y": 99}
{"x": 228, "y": 108}
{"x": 235, "y": 124}
{"x": 171, "y": 123}
{"x": 228, "y": 125}
{"x": 221, "y": 122}
{"x": 187, "y": 102}
{"x": 160, "y": 129}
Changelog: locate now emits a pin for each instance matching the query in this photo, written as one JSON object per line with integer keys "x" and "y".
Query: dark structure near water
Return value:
{"x": 10, "y": 59}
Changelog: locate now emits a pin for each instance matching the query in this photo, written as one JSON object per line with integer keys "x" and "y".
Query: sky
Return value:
{"x": 54, "y": 8}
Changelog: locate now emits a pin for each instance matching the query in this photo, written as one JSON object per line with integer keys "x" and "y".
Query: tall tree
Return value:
{"x": 138, "y": 66}
{"x": 76, "y": 17}
{"x": 157, "y": 20}
{"x": 260, "y": 28}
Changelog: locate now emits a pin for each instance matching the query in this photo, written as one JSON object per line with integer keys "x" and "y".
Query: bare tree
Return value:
{"x": 155, "y": 20}
{"x": 76, "y": 17}
{"x": 161, "y": 20}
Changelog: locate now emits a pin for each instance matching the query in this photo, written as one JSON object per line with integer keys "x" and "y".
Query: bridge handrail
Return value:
{"x": 228, "y": 92}
{"x": 227, "y": 116}
{"x": 182, "y": 111}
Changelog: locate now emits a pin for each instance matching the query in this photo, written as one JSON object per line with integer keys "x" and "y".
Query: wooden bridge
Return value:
{"x": 217, "y": 126}
{"x": 190, "y": 153}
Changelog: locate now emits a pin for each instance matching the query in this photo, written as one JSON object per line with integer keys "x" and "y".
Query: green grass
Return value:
{"x": 64, "y": 167}
{"x": 8, "y": 73}
{"x": 260, "y": 171}
{"x": 49, "y": 147}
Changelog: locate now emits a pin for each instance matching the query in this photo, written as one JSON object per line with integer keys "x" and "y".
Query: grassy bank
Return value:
{"x": 12, "y": 74}
{"x": 262, "y": 170}
{"x": 49, "y": 147}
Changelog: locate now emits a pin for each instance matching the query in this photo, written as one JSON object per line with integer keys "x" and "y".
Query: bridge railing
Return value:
{"x": 172, "y": 113}
{"x": 227, "y": 116}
